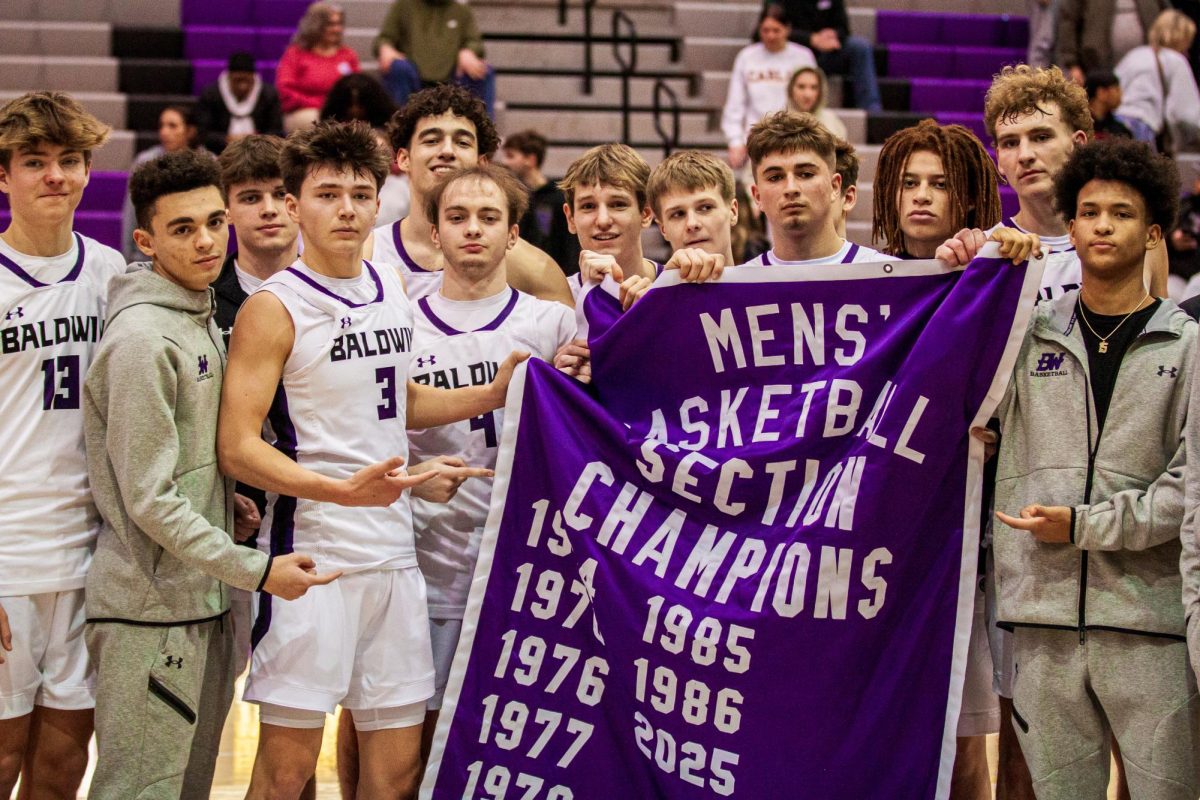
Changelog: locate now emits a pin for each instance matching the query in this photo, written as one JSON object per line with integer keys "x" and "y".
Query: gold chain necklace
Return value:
{"x": 1103, "y": 346}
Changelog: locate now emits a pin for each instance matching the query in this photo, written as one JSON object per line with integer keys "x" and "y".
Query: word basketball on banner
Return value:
{"x": 741, "y": 563}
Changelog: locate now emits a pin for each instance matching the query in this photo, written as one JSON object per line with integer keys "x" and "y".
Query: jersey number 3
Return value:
{"x": 386, "y": 377}
{"x": 60, "y": 383}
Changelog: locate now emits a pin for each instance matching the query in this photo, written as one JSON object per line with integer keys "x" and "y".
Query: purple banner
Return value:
{"x": 741, "y": 563}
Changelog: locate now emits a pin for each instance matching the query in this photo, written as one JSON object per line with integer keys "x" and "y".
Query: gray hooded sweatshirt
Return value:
{"x": 150, "y": 421}
{"x": 1121, "y": 569}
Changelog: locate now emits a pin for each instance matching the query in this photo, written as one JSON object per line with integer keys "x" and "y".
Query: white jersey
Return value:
{"x": 1062, "y": 273}
{"x": 848, "y": 253}
{"x": 51, "y": 318}
{"x": 389, "y": 249}
{"x": 340, "y": 406}
{"x": 575, "y": 281}
{"x": 461, "y": 344}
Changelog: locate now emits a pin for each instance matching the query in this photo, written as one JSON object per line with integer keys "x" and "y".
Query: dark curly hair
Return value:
{"x": 170, "y": 173}
{"x": 1126, "y": 161}
{"x": 341, "y": 145}
{"x": 374, "y": 105}
{"x": 435, "y": 101}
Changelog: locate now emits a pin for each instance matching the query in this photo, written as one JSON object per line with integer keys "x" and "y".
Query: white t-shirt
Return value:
{"x": 848, "y": 253}
{"x": 758, "y": 86}
{"x": 52, "y": 314}
{"x": 1062, "y": 272}
{"x": 461, "y": 343}
{"x": 248, "y": 282}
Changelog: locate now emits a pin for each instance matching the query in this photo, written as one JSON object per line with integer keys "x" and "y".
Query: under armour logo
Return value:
{"x": 422, "y": 361}
{"x": 1169, "y": 372}
{"x": 202, "y": 363}
{"x": 174, "y": 661}
{"x": 345, "y": 322}
{"x": 1051, "y": 361}
{"x": 17, "y": 312}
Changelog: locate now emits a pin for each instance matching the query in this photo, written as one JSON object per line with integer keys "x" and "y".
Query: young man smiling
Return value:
{"x": 322, "y": 352}
{"x": 439, "y": 130}
{"x": 157, "y": 596}
{"x": 1090, "y": 499}
{"x": 48, "y": 521}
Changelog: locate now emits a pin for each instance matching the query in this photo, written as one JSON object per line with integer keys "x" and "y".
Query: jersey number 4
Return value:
{"x": 60, "y": 382}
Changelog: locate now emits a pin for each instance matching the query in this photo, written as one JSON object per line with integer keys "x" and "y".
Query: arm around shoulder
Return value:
{"x": 533, "y": 272}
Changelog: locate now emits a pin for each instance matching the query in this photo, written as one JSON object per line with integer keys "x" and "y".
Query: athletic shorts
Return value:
{"x": 48, "y": 665}
{"x": 444, "y": 634}
{"x": 361, "y": 642}
{"x": 980, "y": 712}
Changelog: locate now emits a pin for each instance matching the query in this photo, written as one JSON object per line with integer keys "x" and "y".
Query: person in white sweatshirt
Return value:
{"x": 1158, "y": 89}
{"x": 758, "y": 82}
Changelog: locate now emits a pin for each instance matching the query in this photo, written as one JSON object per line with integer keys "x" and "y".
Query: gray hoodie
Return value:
{"x": 1121, "y": 570}
{"x": 150, "y": 421}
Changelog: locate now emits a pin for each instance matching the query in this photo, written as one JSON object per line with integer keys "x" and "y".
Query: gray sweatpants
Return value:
{"x": 1193, "y": 636}
{"x": 162, "y": 695}
{"x": 1069, "y": 696}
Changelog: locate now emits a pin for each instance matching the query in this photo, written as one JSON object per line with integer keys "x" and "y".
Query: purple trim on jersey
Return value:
{"x": 283, "y": 518}
{"x": 404, "y": 256}
{"x": 765, "y": 259}
{"x": 370, "y": 271}
{"x": 658, "y": 268}
{"x": 444, "y": 327}
{"x": 850, "y": 254}
{"x": 17, "y": 270}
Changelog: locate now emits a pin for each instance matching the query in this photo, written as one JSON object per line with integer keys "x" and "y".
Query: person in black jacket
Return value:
{"x": 823, "y": 26}
{"x": 545, "y": 223}
{"x": 239, "y": 103}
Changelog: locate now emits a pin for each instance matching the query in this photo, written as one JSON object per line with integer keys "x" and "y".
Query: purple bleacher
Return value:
{"x": 105, "y": 192}
{"x": 968, "y": 119}
{"x": 276, "y": 13}
{"x": 207, "y": 12}
{"x": 103, "y": 226}
{"x": 939, "y": 61}
{"x": 930, "y": 95}
{"x": 222, "y": 41}
{"x": 961, "y": 30}
{"x": 205, "y": 71}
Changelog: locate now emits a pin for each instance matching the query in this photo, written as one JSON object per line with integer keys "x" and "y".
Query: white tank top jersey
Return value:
{"x": 461, "y": 344}
{"x": 51, "y": 319}
{"x": 848, "y": 253}
{"x": 1062, "y": 272}
{"x": 340, "y": 406}
{"x": 390, "y": 250}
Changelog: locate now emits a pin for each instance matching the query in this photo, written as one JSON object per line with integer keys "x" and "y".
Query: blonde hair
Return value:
{"x": 688, "y": 170}
{"x": 614, "y": 164}
{"x": 1022, "y": 89}
{"x": 312, "y": 24}
{"x": 48, "y": 118}
{"x": 1172, "y": 29}
{"x": 789, "y": 132}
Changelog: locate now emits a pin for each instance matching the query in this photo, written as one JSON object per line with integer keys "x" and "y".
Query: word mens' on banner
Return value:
{"x": 741, "y": 563}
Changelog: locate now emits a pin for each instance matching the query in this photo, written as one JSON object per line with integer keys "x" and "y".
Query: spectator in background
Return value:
{"x": 312, "y": 64}
{"x": 1104, "y": 98}
{"x": 759, "y": 79}
{"x": 1183, "y": 248}
{"x": 1095, "y": 34}
{"x": 544, "y": 224}
{"x": 1160, "y": 102}
{"x": 1043, "y": 19}
{"x": 359, "y": 97}
{"x": 824, "y": 26}
{"x": 806, "y": 92}
{"x": 177, "y": 130}
{"x": 423, "y": 42}
{"x": 238, "y": 104}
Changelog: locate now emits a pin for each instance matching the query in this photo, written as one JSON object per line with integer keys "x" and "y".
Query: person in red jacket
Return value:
{"x": 312, "y": 64}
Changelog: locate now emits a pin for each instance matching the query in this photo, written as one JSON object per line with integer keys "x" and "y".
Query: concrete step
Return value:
{"x": 718, "y": 18}
{"x": 599, "y": 127}
{"x": 569, "y": 56}
{"x": 568, "y": 90}
{"x": 65, "y": 73}
{"x": 954, "y": 6}
{"x": 40, "y": 38}
{"x": 534, "y": 21}
{"x": 142, "y": 12}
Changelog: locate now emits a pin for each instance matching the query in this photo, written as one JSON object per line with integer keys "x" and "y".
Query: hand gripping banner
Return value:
{"x": 742, "y": 562}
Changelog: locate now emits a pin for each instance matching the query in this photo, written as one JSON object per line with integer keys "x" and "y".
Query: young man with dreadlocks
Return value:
{"x": 932, "y": 182}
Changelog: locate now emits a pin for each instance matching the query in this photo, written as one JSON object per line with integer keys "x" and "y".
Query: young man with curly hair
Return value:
{"x": 1090, "y": 499}
{"x": 439, "y": 130}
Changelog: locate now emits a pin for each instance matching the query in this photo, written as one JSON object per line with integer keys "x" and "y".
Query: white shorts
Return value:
{"x": 361, "y": 642}
{"x": 999, "y": 640}
{"x": 980, "y": 712}
{"x": 444, "y": 634}
{"x": 49, "y": 664}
